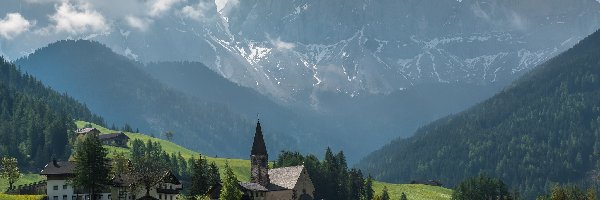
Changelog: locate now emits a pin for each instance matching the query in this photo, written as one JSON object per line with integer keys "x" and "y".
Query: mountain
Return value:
{"x": 291, "y": 48}
{"x": 541, "y": 130}
{"x": 350, "y": 74}
{"x": 35, "y": 121}
{"x": 116, "y": 87}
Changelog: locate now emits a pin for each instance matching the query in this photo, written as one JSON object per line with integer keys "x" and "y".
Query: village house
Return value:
{"x": 285, "y": 183}
{"x": 84, "y": 131}
{"x": 114, "y": 139}
{"x": 59, "y": 188}
{"x": 119, "y": 139}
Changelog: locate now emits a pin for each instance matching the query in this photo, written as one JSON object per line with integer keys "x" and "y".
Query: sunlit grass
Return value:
{"x": 239, "y": 166}
{"x": 414, "y": 191}
{"x": 242, "y": 168}
{"x": 21, "y": 197}
{"x": 25, "y": 179}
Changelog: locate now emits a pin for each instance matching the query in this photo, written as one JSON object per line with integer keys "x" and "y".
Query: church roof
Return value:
{"x": 253, "y": 187}
{"x": 285, "y": 177}
{"x": 258, "y": 146}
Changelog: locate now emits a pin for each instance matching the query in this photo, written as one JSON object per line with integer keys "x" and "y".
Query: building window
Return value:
{"x": 74, "y": 197}
{"x": 64, "y": 197}
{"x": 159, "y": 196}
{"x": 55, "y": 198}
{"x": 55, "y": 188}
{"x": 64, "y": 187}
{"x": 109, "y": 197}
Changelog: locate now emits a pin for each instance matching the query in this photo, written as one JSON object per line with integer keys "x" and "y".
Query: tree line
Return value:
{"x": 36, "y": 123}
{"x": 332, "y": 177}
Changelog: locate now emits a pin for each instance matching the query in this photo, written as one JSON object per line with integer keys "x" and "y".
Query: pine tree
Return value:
{"x": 92, "y": 168}
{"x": 215, "y": 177}
{"x": 403, "y": 197}
{"x": 230, "y": 190}
{"x": 200, "y": 178}
{"x": 9, "y": 170}
{"x": 369, "y": 192}
{"x": 385, "y": 195}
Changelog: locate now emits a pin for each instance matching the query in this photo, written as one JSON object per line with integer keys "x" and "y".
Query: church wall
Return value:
{"x": 304, "y": 184}
{"x": 279, "y": 195}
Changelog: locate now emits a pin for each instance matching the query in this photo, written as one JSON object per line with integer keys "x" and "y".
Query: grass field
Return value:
{"x": 414, "y": 191}
{"x": 239, "y": 166}
{"x": 242, "y": 168}
{"x": 25, "y": 179}
{"x": 20, "y": 197}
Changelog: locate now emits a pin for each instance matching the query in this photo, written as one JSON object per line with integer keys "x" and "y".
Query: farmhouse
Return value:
{"x": 85, "y": 131}
{"x": 58, "y": 187}
{"x": 114, "y": 139}
{"x": 285, "y": 183}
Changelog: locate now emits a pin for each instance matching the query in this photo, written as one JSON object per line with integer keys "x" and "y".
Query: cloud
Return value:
{"x": 139, "y": 23}
{"x": 281, "y": 45}
{"x": 13, "y": 25}
{"x": 78, "y": 19}
{"x": 42, "y": 1}
{"x": 158, "y": 7}
{"x": 197, "y": 12}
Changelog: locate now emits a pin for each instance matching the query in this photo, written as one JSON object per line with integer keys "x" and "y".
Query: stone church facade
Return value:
{"x": 284, "y": 183}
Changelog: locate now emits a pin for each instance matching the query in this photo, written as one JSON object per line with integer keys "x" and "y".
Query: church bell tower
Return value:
{"x": 259, "y": 159}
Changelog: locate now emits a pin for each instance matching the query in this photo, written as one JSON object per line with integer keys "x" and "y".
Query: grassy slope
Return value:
{"x": 240, "y": 167}
{"x": 21, "y": 197}
{"x": 25, "y": 179}
{"x": 242, "y": 170}
{"x": 414, "y": 191}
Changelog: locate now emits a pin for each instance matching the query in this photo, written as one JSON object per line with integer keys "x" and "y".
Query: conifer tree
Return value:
{"x": 230, "y": 190}
{"x": 403, "y": 197}
{"x": 9, "y": 170}
{"x": 385, "y": 195}
{"x": 200, "y": 178}
{"x": 368, "y": 193}
{"x": 92, "y": 168}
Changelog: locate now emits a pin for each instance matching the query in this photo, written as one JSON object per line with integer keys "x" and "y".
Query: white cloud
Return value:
{"x": 281, "y": 45}
{"x": 13, "y": 25}
{"x": 42, "y": 1}
{"x": 196, "y": 12}
{"x": 128, "y": 53}
{"x": 139, "y": 23}
{"x": 160, "y": 6}
{"x": 78, "y": 19}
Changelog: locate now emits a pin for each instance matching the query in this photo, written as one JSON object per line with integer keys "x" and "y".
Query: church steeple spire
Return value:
{"x": 259, "y": 159}
{"x": 258, "y": 146}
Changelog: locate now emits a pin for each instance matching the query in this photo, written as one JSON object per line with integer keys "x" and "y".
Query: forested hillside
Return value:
{"x": 116, "y": 88}
{"x": 543, "y": 129}
{"x": 34, "y": 119}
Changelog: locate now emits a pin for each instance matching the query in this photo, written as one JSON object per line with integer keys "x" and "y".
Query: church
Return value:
{"x": 284, "y": 183}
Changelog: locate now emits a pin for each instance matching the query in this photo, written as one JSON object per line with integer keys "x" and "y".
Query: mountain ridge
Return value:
{"x": 541, "y": 130}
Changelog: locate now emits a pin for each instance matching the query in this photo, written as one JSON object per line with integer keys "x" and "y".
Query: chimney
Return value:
{"x": 54, "y": 162}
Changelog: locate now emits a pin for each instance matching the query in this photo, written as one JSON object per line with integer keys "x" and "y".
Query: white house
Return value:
{"x": 59, "y": 188}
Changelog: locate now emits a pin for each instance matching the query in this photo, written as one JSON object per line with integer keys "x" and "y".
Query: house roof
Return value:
{"x": 112, "y": 136}
{"x": 122, "y": 180}
{"x": 86, "y": 130}
{"x": 285, "y": 177}
{"x": 253, "y": 187}
{"x": 58, "y": 168}
{"x": 147, "y": 198}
